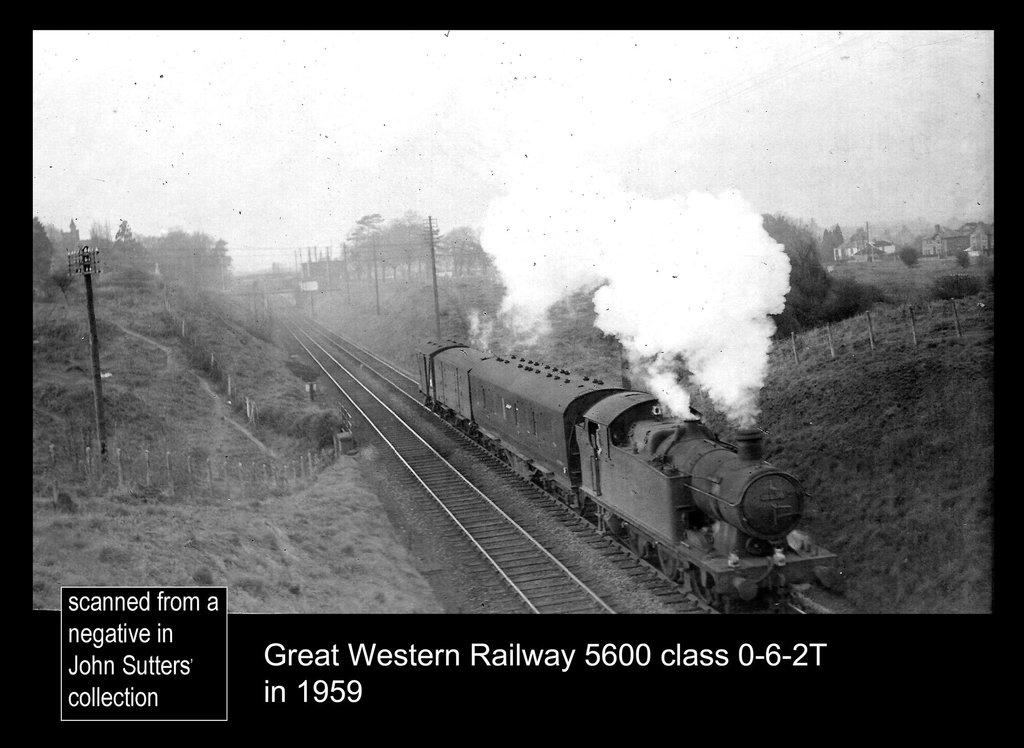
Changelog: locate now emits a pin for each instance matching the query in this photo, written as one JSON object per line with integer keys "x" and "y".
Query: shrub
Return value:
{"x": 316, "y": 428}
{"x": 909, "y": 255}
{"x": 847, "y": 298}
{"x": 962, "y": 258}
{"x": 956, "y": 286}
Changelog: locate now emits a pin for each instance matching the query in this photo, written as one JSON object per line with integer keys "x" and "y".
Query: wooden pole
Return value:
{"x": 188, "y": 467}
{"x": 376, "y": 285}
{"x": 792, "y": 339}
{"x": 170, "y": 476}
{"x": 828, "y": 332}
{"x": 209, "y": 474}
{"x": 956, "y": 318}
{"x": 120, "y": 470}
{"x": 344, "y": 273}
{"x": 913, "y": 326}
{"x": 53, "y": 473}
{"x": 871, "y": 332}
{"x": 97, "y": 385}
{"x": 433, "y": 271}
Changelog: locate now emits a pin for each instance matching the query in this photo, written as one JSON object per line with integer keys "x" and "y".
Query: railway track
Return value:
{"x": 541, "y": 581}
{"x": 478, "y": 505}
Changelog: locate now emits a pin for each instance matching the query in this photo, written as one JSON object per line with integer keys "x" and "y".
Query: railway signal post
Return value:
{"x": 85, "y": 261}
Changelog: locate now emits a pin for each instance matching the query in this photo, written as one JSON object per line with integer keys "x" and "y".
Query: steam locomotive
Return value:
{"x": 710, "y": 514}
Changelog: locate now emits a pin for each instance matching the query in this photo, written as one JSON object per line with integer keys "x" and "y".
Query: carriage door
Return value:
{"x": 595, "y": 456}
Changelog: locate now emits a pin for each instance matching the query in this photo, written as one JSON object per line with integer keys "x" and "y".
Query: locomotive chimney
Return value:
{"x": 750, "y": 444}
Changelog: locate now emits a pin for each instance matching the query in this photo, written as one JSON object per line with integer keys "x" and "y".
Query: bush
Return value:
{"x": 956, "y": 286}
{"x": 962, "y": 258}
{"x": 847, "y": 298}
{"x": 909, "y": 255}
{"x": 59, "y": 281}
{"x": 316, "y": 428}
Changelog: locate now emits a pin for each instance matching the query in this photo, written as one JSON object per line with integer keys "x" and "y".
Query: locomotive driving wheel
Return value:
{"x": 579, "y": 504}
{"x": 639, "y": 544}
{"x": 703, "y": 586}
{"x": 669, "y": 564}
{"x": 608, "y": 523}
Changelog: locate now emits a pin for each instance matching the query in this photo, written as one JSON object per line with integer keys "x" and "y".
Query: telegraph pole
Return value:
{"x": 433, "y": 272}
{"x": 376, "y": 260}
{"x": 344, "y": 272}
{"x": 86, "y": 262}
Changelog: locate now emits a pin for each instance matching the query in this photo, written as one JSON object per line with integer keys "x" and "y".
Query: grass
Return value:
{"x": 274, "y": 550}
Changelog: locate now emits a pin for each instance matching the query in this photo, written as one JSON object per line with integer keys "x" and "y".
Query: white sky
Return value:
{"x": 287, "y": 138}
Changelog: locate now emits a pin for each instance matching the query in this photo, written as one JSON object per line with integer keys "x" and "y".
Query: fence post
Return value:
{"x": 871, "y": 332}
{"x": 209, "y": 474}
{"x": 170, "y": 477}
{"x": 53, "y": 473}
{"x": 913, "y": 326}
{"x": 241, "y": 481}
{"x": 188, "y": 467}
{"x": 956, "y": 318}
{"x": 120, "y": 470}
{"x": 147, "y": 468}
{"x": 792, "y": 339}
{"x": 828, "y": 332}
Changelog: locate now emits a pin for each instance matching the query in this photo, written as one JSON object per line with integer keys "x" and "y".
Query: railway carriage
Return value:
{"x": 705, "y": 511}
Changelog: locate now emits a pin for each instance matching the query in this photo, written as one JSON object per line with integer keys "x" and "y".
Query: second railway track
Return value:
{"x": 544, "y": 577}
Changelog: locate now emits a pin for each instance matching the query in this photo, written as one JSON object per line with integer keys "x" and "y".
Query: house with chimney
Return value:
{"x": 976, "y": 238}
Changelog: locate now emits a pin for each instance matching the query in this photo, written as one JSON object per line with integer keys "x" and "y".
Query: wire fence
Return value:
{"x": 887, "y": 329}
{"x": 160, "y": 472}
{"x": 143, "y": 473}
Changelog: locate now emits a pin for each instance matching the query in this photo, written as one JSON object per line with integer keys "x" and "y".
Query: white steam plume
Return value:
{"x": 691, "y": 278}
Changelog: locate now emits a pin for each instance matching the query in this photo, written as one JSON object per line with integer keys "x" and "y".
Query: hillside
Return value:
{"x": 193, "y": 492}
{"x": 895, "y": 445}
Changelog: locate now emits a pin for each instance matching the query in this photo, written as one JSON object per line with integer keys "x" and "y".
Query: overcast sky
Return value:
{"x": 287, "y": 138}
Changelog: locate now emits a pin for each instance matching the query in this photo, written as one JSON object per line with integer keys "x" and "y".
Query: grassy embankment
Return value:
{"x": 320, "y": 544}
{"x": 895, "y": 445}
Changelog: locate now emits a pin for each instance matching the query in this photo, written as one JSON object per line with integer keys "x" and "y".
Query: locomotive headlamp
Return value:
{"x": 779, "y": 558}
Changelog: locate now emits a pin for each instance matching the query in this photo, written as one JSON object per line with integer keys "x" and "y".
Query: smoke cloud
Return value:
{"x": 680, "y": 281}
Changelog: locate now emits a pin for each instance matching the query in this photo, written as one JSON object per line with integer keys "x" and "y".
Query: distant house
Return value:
{"x": 982, "y": 238}
{"x": 848, "y": 249}
{"x": 884, "y": 246}
{"x": 863, "y": 250}
{"x": 944, "y": 243}
{"x": 932, "y": 246}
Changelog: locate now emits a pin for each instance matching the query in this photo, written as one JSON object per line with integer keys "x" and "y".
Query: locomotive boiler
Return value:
{"x": 708, "y": 513}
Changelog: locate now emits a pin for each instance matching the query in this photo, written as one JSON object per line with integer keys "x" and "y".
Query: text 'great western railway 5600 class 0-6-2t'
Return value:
{"x": 707, "y": 512}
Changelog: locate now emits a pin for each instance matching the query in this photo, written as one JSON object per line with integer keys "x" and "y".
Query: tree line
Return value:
{"x": 400, "y": 248}
{"x": 192, "y": 256}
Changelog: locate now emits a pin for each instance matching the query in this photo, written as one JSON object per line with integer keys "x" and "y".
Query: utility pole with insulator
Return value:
{"x": 433, "y": 271}
{"x": 376, "y": 260}
{"x": 85, "y": 261}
